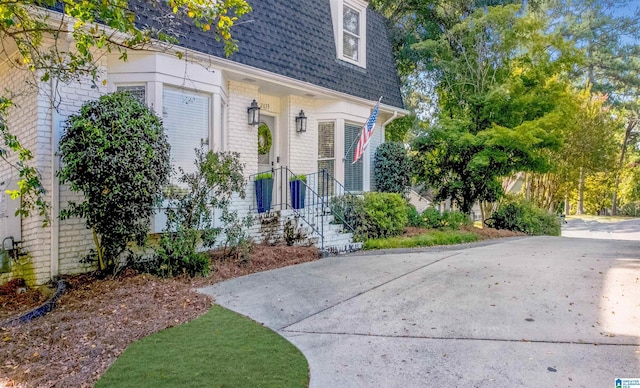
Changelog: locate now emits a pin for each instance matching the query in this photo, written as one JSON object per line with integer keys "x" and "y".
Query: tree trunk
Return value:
{"x": 627, "y": 134}
{"x": 580, "y": 209}
{"x": 567, "y": 205}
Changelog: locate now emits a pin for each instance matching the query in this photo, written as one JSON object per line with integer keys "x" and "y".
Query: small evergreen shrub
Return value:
{"x": 431, "y": 218}
{"x": 520, "y": 215}
{"x": 115, "y": 152}
{"x": 454, "y": 219}
{"x": 413, "y": 217}
{"x": 347, "y": 210}
{"x": 385, "y": 214}
{"x": 392, "y": 169}
{"x": 372, "y": 215}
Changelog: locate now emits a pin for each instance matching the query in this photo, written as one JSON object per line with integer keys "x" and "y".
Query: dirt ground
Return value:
{"x": 97, "y": 319}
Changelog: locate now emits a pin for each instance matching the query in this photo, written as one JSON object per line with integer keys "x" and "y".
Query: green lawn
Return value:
{"x": 435, "y": 237}
{"x": 219, "y": 349}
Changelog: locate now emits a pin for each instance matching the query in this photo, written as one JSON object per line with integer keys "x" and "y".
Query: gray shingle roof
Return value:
{"x": 295, "y": 39}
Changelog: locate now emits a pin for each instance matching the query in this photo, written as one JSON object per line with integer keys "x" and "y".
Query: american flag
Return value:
{"x": 366, "y": 134}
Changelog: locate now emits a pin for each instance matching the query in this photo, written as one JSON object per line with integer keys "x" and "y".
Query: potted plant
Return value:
{"x": 298, "y": 187}
{"x": 264, "y": 190}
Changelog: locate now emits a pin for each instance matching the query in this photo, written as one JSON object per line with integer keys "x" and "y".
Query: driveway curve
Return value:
{"x": 543, "y": 311}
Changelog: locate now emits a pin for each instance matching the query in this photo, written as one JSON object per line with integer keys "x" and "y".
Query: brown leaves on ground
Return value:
{"x": 97, "y": 319}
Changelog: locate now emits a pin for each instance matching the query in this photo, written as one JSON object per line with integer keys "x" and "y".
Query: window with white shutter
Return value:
{"x": 186, "y": 117}
{"x": 352, "y": 171}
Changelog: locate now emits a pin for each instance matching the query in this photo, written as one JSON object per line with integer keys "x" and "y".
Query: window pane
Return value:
{"x": 326, "y": 140}
{"x": 137, "y": 91}
{"x": 350, "y": 46}
{"x": 351, "y": 20}
{"x": 325, "y": 182}
{"x": 186, "y": 120}
{"x": 352, "y": 172}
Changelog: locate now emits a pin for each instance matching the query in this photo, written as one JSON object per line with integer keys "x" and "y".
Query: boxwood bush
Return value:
{"x": 520, "y": 215}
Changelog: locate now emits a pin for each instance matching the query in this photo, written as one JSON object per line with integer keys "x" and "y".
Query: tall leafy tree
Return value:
{"x": 498, "y": 85}
{"x": 35, "y": 38}
{"x": 607, "y": 31}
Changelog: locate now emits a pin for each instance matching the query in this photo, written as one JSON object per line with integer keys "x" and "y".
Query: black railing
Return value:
{"x": 309, "y": 199}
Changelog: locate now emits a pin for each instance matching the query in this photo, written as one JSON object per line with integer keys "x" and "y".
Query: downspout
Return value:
{"x": 55, "y": 186}
{"x": 393, "y": 117}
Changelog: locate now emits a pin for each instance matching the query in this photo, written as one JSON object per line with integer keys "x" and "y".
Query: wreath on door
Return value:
{"x": 264, "y": 139}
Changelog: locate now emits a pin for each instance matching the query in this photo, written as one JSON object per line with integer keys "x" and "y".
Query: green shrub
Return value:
{"x": 385, "y": 215}
{"x": 520, "y": 215}
{"x": 116, "y": 153}
{"x": 454, "y": 219}
{"x": 372, "y": 215}
{"x": 431, "y": 218}
{"x": 190, "y": 222}
{"x": 392, "y": 169}
{"x": 413, "y": 217}
{"x": 348, "y": 210}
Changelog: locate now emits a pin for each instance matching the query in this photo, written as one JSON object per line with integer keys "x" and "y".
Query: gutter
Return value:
{"x": 393, "y": 117}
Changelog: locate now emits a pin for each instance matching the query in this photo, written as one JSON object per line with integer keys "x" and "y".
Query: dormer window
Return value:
{"x": 349, "y": 27}
{"x": 350, "y": 33}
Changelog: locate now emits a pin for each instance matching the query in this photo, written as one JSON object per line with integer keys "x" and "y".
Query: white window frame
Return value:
{"x": 360, "y": 7}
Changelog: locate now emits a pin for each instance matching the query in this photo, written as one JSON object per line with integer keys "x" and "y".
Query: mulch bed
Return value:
{"x": 98, "y": 318}
{"x": 16, "y": 298}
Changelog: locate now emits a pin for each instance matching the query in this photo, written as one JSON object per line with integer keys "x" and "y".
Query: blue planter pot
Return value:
{"x": 264, "y": 193}
{"x": 298, "y": 192}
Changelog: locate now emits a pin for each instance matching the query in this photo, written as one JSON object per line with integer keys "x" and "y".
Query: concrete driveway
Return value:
{"x": 535, "y": 312}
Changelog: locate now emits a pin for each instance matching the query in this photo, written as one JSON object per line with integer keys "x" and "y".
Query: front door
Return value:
{"x": 266, "y": 143}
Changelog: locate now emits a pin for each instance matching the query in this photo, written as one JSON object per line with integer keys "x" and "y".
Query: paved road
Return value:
{"x": 620, "y": 230}
{"x": 534, "y": 312}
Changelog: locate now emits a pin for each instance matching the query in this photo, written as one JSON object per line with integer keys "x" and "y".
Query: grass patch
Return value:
{"x": 436, "y": 237}
{"x": 219, "y": 349}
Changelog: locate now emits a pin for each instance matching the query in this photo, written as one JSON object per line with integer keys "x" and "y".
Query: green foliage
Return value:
{"x": 520, "y": 215}
{"x": 115, "y": 152}
{"x": 398, "y": 130}
{"x": 498, "y": 84}
{"x": 392, "y": 170}
{"x": 263, "y": 175}
{"x": 300, "y": 177}
{"x": 384, "y": 215}
{"x": 433, "y": 219}
{"x": 347, "y": 210}
{"x": 436, "y": 237}
{"x": 413, "y": 217}
{"x": 191, "y": 215}
{"x": 219, "y": 349}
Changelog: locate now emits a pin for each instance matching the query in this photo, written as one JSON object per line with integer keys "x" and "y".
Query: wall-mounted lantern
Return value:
{"x": 301, "y": 122}
{"x": 253, "y": 113}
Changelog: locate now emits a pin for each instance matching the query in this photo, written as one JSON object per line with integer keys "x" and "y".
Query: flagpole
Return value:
{"x": 357, "y": 138}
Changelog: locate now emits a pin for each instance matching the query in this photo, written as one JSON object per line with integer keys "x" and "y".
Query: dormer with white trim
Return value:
{"x": 350, "y": 30}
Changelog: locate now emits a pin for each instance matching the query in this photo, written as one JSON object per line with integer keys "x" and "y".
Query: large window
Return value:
{"x": 353, "y": 172}
{"x": 326, "y": 156}
{"x": 185, "y": 117}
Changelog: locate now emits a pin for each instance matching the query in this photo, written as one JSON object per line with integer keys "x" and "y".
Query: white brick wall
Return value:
{"x": 303, "y": 147}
